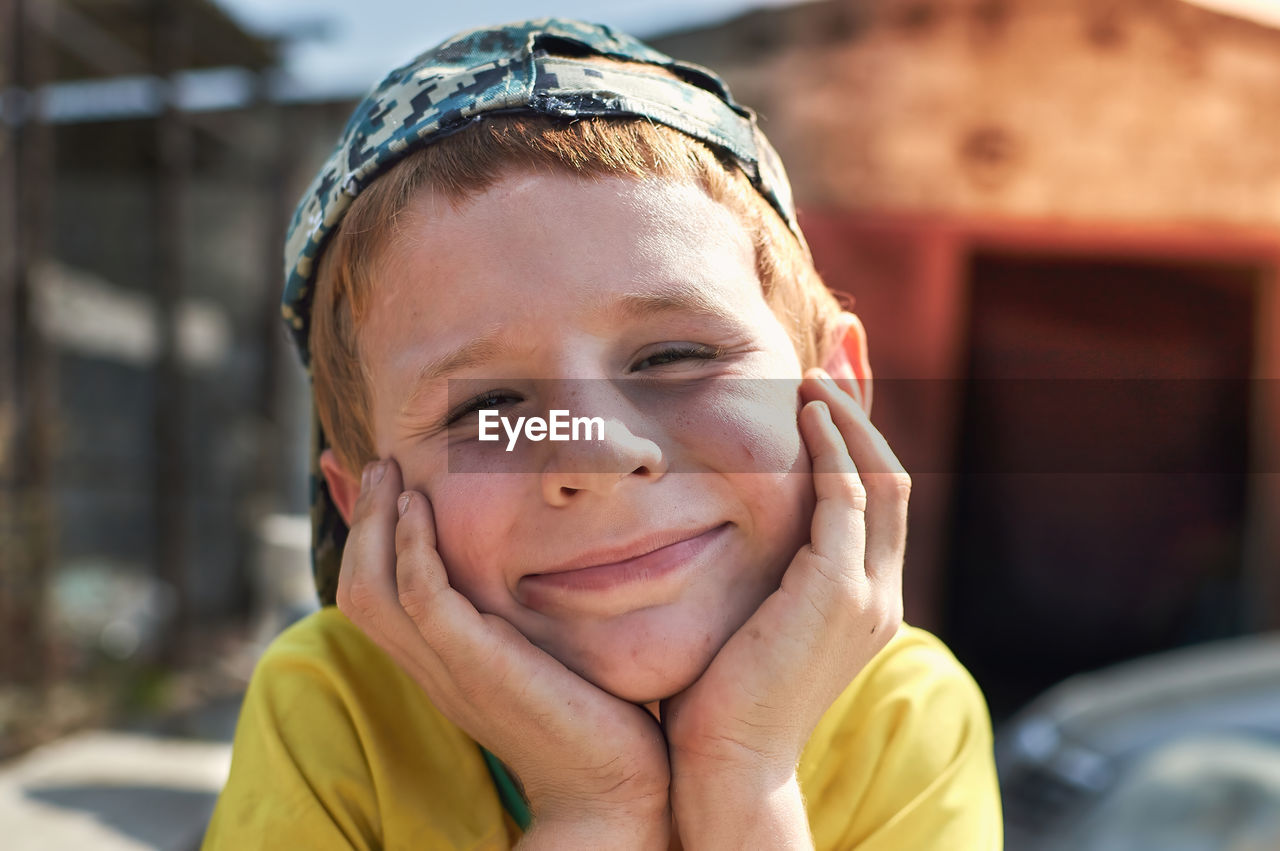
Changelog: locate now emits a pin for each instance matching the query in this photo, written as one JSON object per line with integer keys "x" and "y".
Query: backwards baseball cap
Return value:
{"x": 546, "y": 67}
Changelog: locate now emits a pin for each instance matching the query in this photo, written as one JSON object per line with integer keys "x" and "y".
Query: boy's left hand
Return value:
{"x": 735, "y": 736}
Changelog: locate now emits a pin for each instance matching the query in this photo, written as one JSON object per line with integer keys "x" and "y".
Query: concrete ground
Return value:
{"x": 120, "y": 790}
{"x": 153, "y": 785}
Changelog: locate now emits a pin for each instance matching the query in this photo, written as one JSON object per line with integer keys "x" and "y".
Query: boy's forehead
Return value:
{"x": 617, "y": 248}
{"x": 526, "y": 231}
{"x": 657, "y": 214}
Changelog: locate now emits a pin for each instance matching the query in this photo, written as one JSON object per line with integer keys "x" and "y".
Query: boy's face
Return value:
{"x": 637, "y": 302}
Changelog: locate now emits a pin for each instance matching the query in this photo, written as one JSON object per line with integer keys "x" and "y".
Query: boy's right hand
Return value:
{"x": 593, "y": 767}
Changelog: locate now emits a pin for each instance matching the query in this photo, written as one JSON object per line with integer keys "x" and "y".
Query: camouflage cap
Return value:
{"x": 547, "y": 66}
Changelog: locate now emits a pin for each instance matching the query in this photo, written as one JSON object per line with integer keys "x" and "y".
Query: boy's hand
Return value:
{"x": 593, "y": 767}
{"x": 737, "y": 733}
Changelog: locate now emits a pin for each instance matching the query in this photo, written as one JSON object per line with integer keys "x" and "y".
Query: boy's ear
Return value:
{"x": 344, "y": 488}
{"x": 847, "y": 362}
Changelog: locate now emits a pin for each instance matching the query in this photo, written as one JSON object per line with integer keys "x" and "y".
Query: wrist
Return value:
{"x": 723, "y": 805}
{"x": 701, "y": 782}
{"x": 616, "y": 831}
{"x": 729, "y": 764}
{"x": 622, "y": 805}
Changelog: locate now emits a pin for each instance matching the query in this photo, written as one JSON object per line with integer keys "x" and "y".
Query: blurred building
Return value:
{"x": 1060, "y": 220}
{"x": 146, "y": 419}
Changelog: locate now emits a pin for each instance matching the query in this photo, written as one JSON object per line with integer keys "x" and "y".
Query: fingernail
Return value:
{"x": 364, "y": 477}
{"x": 825, "y": 377}
{"x": 379, "y": 471}
{"x": 403, "y": 504}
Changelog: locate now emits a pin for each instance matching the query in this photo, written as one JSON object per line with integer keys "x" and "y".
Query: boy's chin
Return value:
{"x": 650, "y": 674}
{"x": 657, "y": 652}
{"x": 647, "y": 687}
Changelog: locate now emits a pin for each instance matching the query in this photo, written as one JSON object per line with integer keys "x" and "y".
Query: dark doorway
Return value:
{"x": 1100, "y": 503}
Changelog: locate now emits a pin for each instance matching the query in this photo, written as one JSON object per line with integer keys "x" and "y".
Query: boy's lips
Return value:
{"x": 650, "y": 558}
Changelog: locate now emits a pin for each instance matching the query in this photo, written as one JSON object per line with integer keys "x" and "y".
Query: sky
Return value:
{"x": 352, "y": 43}
{"x": 1267, "y": 11}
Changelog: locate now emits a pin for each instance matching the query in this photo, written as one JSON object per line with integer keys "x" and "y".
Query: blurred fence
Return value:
{"x": 148, "y": 406}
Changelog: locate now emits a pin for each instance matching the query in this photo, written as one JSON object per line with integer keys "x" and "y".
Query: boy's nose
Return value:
{"x": 574, "y": 468}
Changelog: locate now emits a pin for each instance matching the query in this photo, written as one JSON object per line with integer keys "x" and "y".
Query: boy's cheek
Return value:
{"x": 747, "y": 426}
{"x": 468, "y": 510}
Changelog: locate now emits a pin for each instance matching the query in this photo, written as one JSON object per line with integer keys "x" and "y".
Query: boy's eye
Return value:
{"x": 491, "y": 399}
{"x": 672, "y": 354}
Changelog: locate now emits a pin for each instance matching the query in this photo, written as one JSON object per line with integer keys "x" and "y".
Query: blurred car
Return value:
{"x": 1174, "y": 752}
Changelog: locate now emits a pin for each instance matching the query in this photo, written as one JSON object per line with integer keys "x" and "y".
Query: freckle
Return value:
{"x": 873, "y": 630}
{"x": 754, "y": 632}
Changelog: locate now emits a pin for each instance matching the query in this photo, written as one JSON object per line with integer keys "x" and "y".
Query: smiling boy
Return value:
{"x": 685, "y": 633}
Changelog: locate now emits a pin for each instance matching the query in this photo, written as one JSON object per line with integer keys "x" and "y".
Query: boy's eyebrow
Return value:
{"x": 684, "y": 298}
{"x": 474, "y": 352}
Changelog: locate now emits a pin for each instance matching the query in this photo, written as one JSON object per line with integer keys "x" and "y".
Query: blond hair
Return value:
{"x": 465, "y": 164}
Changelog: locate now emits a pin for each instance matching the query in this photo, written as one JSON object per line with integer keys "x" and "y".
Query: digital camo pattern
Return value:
{"x": 534, "y": 66}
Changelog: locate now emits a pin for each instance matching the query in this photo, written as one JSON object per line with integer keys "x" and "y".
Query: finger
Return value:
{"x": 366, "y": 582}
{"x": 443, "y": 617}
{"x": 838, "y": 534}
{"x": 369, "y": 552}
{"x": 887, "y": 484}
{"x": 851, "y": 387}
{"x": 868, "y": 448}
{"x": 380, "y": 556}
{"x": 478, "y": 654}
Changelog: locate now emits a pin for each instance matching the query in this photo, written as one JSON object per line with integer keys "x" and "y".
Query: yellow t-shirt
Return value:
{"x": 338, "y": 748}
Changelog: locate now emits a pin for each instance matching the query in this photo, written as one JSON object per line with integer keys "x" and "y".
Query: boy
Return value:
{"x": 566, "y": 643}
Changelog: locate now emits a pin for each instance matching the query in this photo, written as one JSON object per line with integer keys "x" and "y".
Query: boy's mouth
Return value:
{"x": 650, "y": 558}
